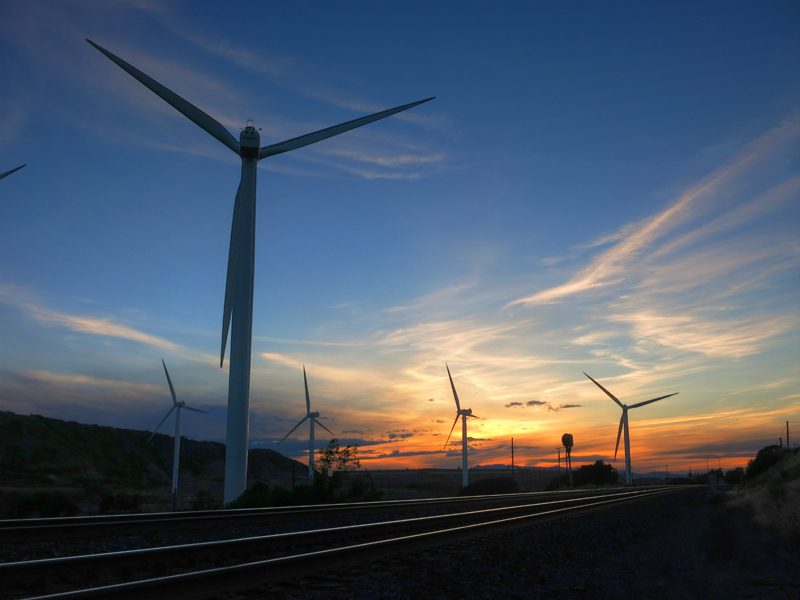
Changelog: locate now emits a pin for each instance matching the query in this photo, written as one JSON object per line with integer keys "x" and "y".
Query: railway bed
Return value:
{"x": 209, "y": 569}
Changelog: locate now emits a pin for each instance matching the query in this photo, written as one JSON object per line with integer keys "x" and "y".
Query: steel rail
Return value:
{"x": 62, "y": 528}
{"x": 413, "y": 533}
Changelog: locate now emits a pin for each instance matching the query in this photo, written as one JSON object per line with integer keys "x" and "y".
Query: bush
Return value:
{"x": 599, "y": 473}
{"x": 766, "y": 458}
{"x": 734, "y": 476}
{"x": 489, "y": 487}
{"x": 120, "y": 503}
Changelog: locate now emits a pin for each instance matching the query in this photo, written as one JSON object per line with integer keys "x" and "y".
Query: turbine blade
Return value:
{"x": 458, "y": 406}
{"x": 619, "y": 433}
{"x": 474, "y": 416}
{"x": 653, "y": 400}
{"x": 169, "y": 381}
{"x": 229, "y": 281}
{"x": 293, "y": 428}
{"x": 160, "y": 424}
{"x": 195, "y": 409}
{"x": 187, "y": 109}
{"x": 610, "y": 395}
{"x": 323, "y": 134}
{"x": 305, "y": 380}
{"x": 323, "y": 426}
{"x": 451, "y": 433}
{"x": 11, "y": 171}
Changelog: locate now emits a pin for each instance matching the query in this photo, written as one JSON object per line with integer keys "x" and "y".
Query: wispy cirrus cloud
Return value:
{"x": 88, "y": 324}
{"x": 611, "y": 266}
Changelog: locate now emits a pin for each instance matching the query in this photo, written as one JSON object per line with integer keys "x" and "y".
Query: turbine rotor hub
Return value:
{"x": 314, "y": 415}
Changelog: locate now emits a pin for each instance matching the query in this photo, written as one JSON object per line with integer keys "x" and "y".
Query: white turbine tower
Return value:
{"x": 7, "y": 173}
{"x": 313, "y": 416}
{"x": 179, "y": 406}
{"x": 463, "y": 413}
{"x": 623, "y": 424}
{"x": 238, "y": 308}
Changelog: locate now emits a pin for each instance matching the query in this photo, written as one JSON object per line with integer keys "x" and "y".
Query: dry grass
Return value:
{"x": 773, "y": 498}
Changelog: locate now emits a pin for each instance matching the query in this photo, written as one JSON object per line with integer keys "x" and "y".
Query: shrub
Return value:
{"x": 766, "y": 458}
{"x": 599, "y": 473}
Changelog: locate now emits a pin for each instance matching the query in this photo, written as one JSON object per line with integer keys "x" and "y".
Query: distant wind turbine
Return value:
{"x": 313, "y": 416}
{"x": 623, "y": 424}
{"x": 463, "y": 413}
{"x": 179, "y": 406}
{"x": 7, "y": 173}
{"x": 238, "y": 308}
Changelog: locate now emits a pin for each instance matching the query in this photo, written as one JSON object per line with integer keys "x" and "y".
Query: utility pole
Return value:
{"x": 512, "y": 459}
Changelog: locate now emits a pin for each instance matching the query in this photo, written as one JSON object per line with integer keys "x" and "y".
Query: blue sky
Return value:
{"x": 609, "y": 188}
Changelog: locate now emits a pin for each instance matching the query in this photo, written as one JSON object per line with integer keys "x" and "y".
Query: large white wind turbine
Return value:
{"x": 238, "y": 308}
{"x": 312, "y": 416}
{"x": 11, "y": 171}
{"x": 463, "y": 413}
{"x": 179, "y": 406}
{"x": 623, "y": 424}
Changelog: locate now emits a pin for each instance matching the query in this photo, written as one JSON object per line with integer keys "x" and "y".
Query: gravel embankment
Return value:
{"x": 675, "y": 547}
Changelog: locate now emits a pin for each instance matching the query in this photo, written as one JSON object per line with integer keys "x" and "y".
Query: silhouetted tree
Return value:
{"x": 336, "y": 459}
{"x": 734, "y": 475}
{"x": 599, "y": 473}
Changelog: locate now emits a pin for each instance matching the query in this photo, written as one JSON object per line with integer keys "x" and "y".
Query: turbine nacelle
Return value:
{"x": 313, "y": 415}
{"x": 249, "y": 141}
{"x": 467, "y": 412}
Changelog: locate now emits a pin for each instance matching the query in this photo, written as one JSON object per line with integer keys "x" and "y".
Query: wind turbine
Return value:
{"x": 623, "y": 423}
{"x": 463, "y": 413}
{"x": 313, "y": 416}
{"x": 238, "y": 307}
{"x": 179, "y": 406}
{"x": 7, "y": 173}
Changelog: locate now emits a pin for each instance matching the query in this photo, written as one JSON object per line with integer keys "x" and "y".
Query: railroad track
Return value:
{"x": 65, "y": 528}
{"x": 208, "y": 569}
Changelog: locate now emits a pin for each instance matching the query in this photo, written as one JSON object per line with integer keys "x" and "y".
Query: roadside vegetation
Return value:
{"x": 770, "y": 492}
{"x": 334, "y": 482}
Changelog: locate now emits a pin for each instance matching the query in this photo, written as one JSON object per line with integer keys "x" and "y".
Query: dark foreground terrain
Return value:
{"x": 677, "y": 547}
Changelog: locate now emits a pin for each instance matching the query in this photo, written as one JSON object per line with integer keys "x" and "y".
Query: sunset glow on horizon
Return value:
{"x": 611, "y": 189}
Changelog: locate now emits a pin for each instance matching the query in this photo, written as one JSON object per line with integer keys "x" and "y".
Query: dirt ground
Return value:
{"x": 677, "y": 547}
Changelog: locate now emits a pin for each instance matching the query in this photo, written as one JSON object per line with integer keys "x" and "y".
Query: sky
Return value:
{"x": 609, "y": 188}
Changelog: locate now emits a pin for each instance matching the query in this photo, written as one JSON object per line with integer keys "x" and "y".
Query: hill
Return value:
{"x": 90, "y": 461}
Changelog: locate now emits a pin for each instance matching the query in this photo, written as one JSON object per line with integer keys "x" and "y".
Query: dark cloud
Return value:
{"x": 544, "y": 405}
{"x": 431, "y": 400}
{"x": 398, "y": 454}
{"x": 394, "y": 436}
{"x": 747, "y": 448}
